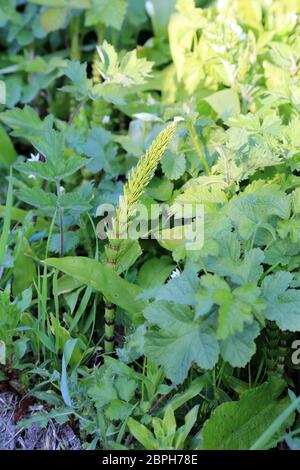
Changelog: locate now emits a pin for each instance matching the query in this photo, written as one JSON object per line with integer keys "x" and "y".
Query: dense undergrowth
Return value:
{"x": 151, "y": 343}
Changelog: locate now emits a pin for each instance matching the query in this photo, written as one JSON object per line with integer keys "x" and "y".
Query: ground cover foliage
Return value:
{"x": 146, "y": 343}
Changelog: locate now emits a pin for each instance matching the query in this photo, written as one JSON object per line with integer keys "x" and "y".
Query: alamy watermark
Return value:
{"x": 179, "y": 222}
{"x": 296, "y": 354}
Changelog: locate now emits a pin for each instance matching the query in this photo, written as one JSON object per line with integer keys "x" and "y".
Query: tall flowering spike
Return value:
{"x": 142, "y": 174}
{"x": 137, "y": 182}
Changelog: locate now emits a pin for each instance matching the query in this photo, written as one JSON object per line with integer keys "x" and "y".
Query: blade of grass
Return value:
{"x": 81, "y": 309}
{"x": 7, "y": 219}
{"x": 56, "y": 305}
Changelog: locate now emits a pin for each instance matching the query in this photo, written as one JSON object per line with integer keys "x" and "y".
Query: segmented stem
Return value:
{"x": 277, "y": 349}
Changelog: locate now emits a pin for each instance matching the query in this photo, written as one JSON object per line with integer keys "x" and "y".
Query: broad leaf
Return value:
{"x": 283, "y": 304}
{"x": 180, "y": 341}
{"x": 236, "y": 425}
{"x": 102, "y": 278}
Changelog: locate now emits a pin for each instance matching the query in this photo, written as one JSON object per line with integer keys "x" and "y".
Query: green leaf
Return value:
{"x": 69, "y": 348}
{"x": 94, "y": 274}
{"x": 103, "y": 393}
{"x": 59, "y": 415}
{"x": 159, "y": 189}
{"x": 142, "y": 434}
{"x": 53, "y": 19}
{"x": 173, "y": 165}
{"x": 102, "y": 152}
{"x": 257, "y": 205}
{"x": 53, "y": 170}
{"x": 277, "y": 424}
{"x": 71, "y": 240}
{"x": 190, "y": 392}
{"x": 128, "y": 71}
{"x": 23, "y": 263}
{"x": 296, "y": 201}
{"x": 74, "y": 202}
{"x": 22, "y": 120}
{"x": 184, "y": 431}
{"x": 239, "y": 348}
{"x": 181, "y": 289}
{"x": 237, "y": 425}
{"x": 7, "y": 219}
{"x": 81, "y": 85}
{"x": 155, "y": 271}
{"x": 236, "y": 307}
{"x": 180, "y": 341}
{"x": 226, "y": 103}
{"x": 126, "y": 388}
{"x": 283, "y": 304}
{"x": 228, "y": 262}
{"x": 134, "y": 345}
{"x": 8, "y": 155}
{"x": 118, "y": 410}
{"x": 108, "y": 12}
{"x": 197, "y": 191}
{"x": 290, "y": 228}
{"x": 38, "y": 198}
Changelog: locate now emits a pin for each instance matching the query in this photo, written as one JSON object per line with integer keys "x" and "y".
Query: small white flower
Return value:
{"x": 106, "y": 119}
{"x": 32, "y": 177}
{"x": 61, "y": 189}
{"x": 34, "y": 158}
{"x": 175, "y": 273}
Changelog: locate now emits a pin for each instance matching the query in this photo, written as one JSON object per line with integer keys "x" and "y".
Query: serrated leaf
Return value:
{"x": 126, "y": 388}
{"x": 239, "y": 348}
{"x": 181, "y": 289}
{"x": 71, "y": 240}
{"x": 180, "y": 341}
{"x": 283, "y": 304}
{"x": 101, "y": 151}
{"x": 53, "y": 171}
{"x": 228, "y": 262}
{"x": 38, "y": 198}
{"x": 128, "y": 71}
{"x": 81, "y": 85}
{"x": 22, "y": 121}
{"x": 256, "y": 206}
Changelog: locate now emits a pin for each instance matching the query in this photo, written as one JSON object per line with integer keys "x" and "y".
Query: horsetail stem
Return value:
{"x": 135, "y": 187}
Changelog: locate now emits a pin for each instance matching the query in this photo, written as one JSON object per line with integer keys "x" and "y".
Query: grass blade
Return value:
{"x": 7, "y": 219}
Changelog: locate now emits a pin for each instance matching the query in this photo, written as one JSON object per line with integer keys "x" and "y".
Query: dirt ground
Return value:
{"x": 52, "y": 437}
